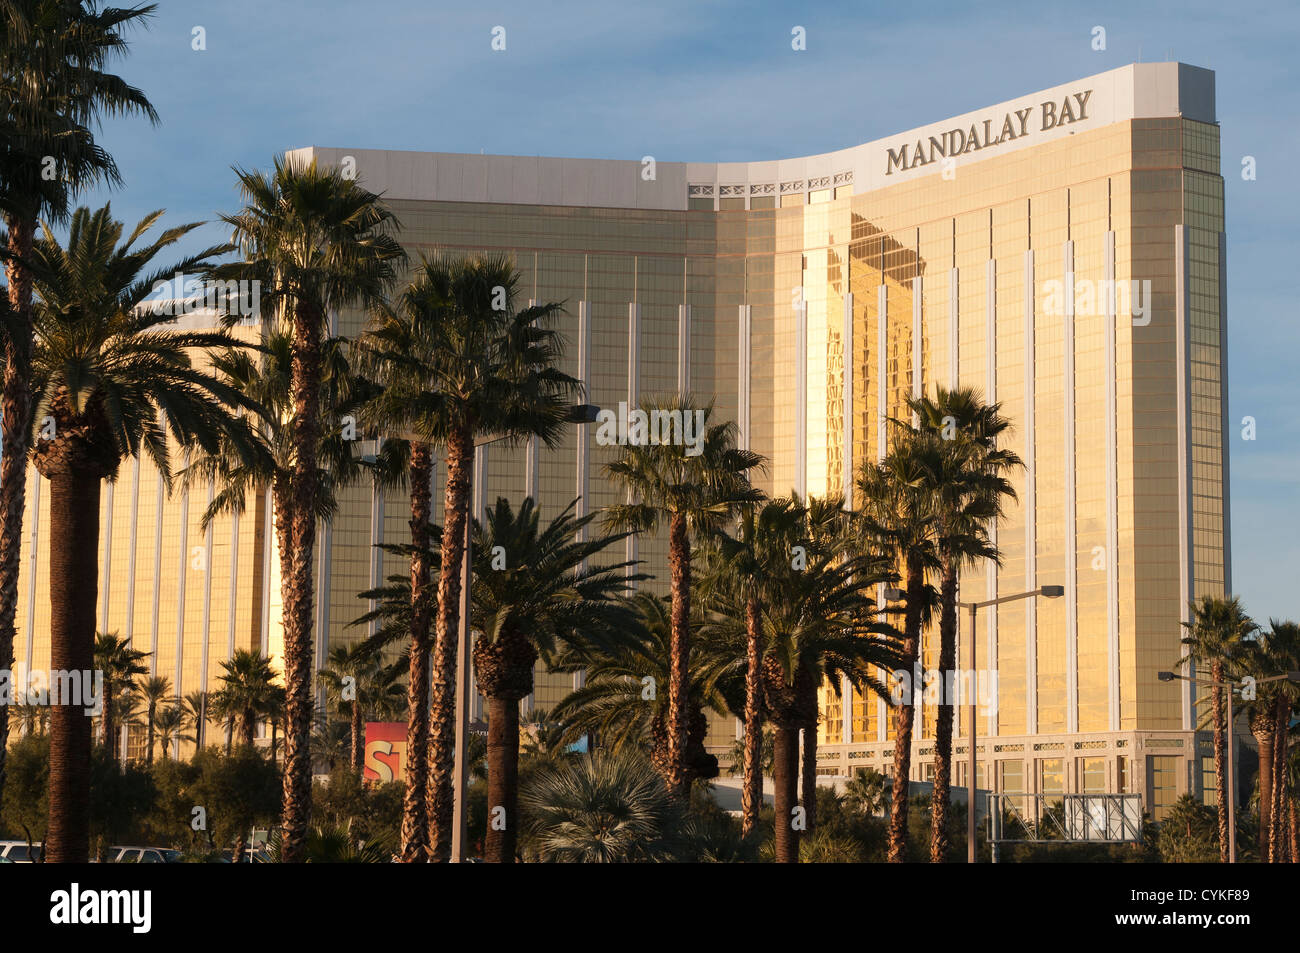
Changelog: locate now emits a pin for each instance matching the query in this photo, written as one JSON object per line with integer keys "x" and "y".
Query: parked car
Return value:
{"x": 17, "y": 852}
{"x": 142, "y": 855}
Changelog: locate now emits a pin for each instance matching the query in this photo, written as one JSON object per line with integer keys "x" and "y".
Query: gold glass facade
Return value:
{"x": 809, "y": 301}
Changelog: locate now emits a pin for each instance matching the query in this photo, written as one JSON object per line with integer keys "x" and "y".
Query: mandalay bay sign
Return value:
{"x": 982, "y": 135}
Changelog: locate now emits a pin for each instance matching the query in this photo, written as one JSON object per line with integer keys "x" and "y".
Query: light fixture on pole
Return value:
{"x": 1049, "y": 592}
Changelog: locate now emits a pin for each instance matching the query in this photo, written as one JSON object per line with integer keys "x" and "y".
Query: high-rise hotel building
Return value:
{"x": 809, "y": 297}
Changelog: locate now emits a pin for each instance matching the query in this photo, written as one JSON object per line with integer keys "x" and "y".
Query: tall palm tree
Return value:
{"x": 545, "y": 598}
{"x": 121, "y": 666}
{"x": 109, "y": 382}
{"x": 318, "y": 243}
{"x": 247, "y": 683}
{"x": 696, "y": 490}
{"x": 1271, "y": 653}
{"x": 170, "y": 722}
{"x": 458, "y": 359}
{"x": 622, "y": 702}
{"x": 737, "y": 582}
{"x": 359, "y": 683}
{"x": 821, "y": 624}
{"x": 968, "y": 478}
{"x": 898, "y": 516}
{"x": 54, "y": 89}
{"x": 196, "y": 708}
{"x": 1215, "y": 635}
{"x": 154, "y": 690}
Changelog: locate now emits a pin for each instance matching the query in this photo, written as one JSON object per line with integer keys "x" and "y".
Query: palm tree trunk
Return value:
{"x": 939, "y": 804}
{"x": 148, "y": 755}
{"x": 442, "y": 716}
{"x": 1277, "y": 829}
{"x": 240, "y": 842}
{"x": 107, "y": 722}
{"x": 786, "y": 771}
{"x": 74, "y": 549}
{"x": 903, "y": 717}
{"x": 358, "y": 752}
{"x": 1295, "y": 827}
{"x": 14, "y": 438}
{"x": 248, "y": 726}
{"x": 415, "y": 817}
{"x": 503, "y": 780}
{"x": 752, "y": 790}
{"x": 679, "y": 568}
{"x": 1261, "y": 726}
{"x": 305, "y": 369}
{"x": 1220, "y": 757}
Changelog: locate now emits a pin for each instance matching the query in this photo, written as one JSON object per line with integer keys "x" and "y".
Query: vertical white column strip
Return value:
{"x": 106, "y": 562}
{"x": 1186, "y": 582}
{"x": 801, "y": 397}
{"x": 1071, "y": 540}
{"x": 376, "y": 540}
{"x": 532, "y": 460}
{"x": 850, "y": 384}
{"x": 882, "y": 371}
{"x": 632, "y": 549}
{"x": 683, "y": 349}
{"x": 743, "y": 380}
{"x": 182, "y": 577}
{"x": 269, "y": 551}
{"x": 918, "y": 341}
{"x": 130, "y": 556}
{"x": 954, "y": 328}
{"x": 1112, "y": 498}
{"x": 991, "y": 396}
{"x": 232, "y": 624}
{"x": 206, "y": 633}
{"x": 1030, "y": 504}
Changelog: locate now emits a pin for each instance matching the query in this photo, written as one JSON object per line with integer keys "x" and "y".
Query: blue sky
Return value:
{"x": 716, "y": 82}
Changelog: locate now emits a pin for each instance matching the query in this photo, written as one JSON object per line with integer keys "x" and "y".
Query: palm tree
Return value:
{"x": 109, "y": 382}
{"x": 601, "y": 809}
{"x": 357, "y": 681}
{"x": 170, "y": 722}
{"x": 195, "y": 707}
{"x": 821, "y": 624}
{"x": 1270, "y": 654}
{"x": 621, "y": 701}
{"x": 545, "y": 598}
{"x": 457, "y": 361}
{"x": 968, "y": 480}
{"x": 867, "y": 791}
{"x": 121, "y": 666}
{"x": 898, "y": 516}
{"x": 247, "y": 682}
{"x": 318, "y": 243}
{"x": 741, "y": 577}
{"x": 53, "y": 91}
{"x": 155, "y": 689}
{"x": 1215, "y": 634}
{"x": 696, "y": 490}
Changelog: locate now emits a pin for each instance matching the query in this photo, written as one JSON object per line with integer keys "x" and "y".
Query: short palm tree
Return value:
{"x": 545, "y": 597}
{"x": 317, "y": 242}
{"x": 121, "y": 666}
{"x": 359, "y": 683}
{"x": 247, "y": 684}
{"x": 898, "y": 516}
{"x": 458, "y": 360}
{"x": 1214, "y": 637}
{"x": 110, "y": 382}
{"x": 196, "y": 708}
{"x": 968, "y": 477}
{"x": 695, "y": 490}
{"x": 867, "y": 791}
{"x": 601, "y": 809}
{"x": 170, "y": 722}
{"x": 622, "y": 702}
{"x": 154, "y": 690}
{"x": 54, "y": 89}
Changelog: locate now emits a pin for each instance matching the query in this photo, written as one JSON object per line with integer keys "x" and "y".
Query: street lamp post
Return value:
{"x": 576, "y": 414}
{"x": 1231, "y": 685}
{"x": 1050, "y": 592}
